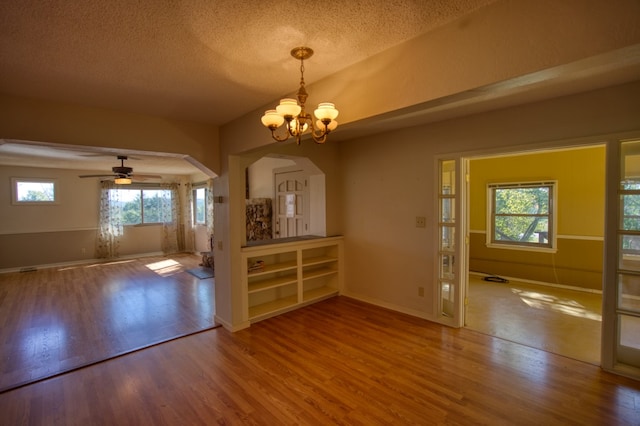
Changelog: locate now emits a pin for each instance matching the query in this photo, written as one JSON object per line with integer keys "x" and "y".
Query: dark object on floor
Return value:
{"x": 201, "y": 272}
{"x": 496, "y": 279}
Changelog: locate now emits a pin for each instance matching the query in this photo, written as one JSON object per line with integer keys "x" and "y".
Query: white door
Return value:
{"x": 621, "y": 295}
{"x": 291, "y": 209}
{"x": 451, "y": 265}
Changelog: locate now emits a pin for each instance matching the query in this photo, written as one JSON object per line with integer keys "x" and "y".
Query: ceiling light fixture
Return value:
{"x": 122, "y": 181}
{"x": 292, "y": 112}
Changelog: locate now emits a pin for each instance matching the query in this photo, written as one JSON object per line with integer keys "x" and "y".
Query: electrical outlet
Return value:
{"x": 220, "y": 245}
{"x": 421, "y": 291}
{"x": 421, "y": 222}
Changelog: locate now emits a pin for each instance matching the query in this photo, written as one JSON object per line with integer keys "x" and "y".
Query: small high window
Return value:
{"x": 34, "y": 191}
{"x": 522, "y": 215}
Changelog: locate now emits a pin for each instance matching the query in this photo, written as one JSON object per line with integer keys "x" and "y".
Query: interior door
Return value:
{"x": 291, "y": 210}
{"x": 621, "y": 328}
{"x": 451, "y": 263}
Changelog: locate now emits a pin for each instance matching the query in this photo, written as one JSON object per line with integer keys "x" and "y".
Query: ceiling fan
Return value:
{"x": 123, "y": 174}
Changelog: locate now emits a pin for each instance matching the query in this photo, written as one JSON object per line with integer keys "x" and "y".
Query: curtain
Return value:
{"x": 172, "y": 231}
{"x": 110, "y": 227}
{"x": 189, "y": 235}
{"x": 209, "y": 203}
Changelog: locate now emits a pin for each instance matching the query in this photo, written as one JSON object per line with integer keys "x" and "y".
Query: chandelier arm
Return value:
{"x": 317, "y": 133}
{"x": 319, "y": 140}
{"x": 279, "y": 138}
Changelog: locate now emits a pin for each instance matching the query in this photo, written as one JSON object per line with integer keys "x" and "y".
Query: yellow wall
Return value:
{"x": 580, "y": 177}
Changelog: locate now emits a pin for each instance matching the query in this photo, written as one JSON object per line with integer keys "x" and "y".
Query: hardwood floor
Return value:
{"x": 562, "y": 321}
{"x": 336, "y": 362}
{"x": 53, "y": 320}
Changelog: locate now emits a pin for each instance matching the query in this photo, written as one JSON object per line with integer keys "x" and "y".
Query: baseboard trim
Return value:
{"x": 31, "y": 268}
{"x": 561, "y": 286}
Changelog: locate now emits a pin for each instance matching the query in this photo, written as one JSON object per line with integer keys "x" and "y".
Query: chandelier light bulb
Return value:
{"x": 272, "y": 119}
{"x": 288, "y": 107}
{"x": 332, "y": 126}
{"x": 326, "y": 110}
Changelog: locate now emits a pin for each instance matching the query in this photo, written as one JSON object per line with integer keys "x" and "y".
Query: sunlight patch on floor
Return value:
{"x": 551, "y": 303}
{"x": 166, "y": 267}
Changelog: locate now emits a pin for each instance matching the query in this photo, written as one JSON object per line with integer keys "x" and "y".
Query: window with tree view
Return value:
{"x": 631, "y": 217}
{"x": 522, "y": 214}
{"x": 199, "y": 206}
{"x": 142, "y": 206}
{"x": 34, "y": 191}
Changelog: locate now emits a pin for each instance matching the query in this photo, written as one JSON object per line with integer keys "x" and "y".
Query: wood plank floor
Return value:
{"x": 57, "y": 319}
{"x": 563, "y": 321}
{"x": 336, "y": 362}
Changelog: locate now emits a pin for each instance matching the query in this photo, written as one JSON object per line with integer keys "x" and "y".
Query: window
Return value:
{"x": 142, "y": 206}
{"x": 199, "y": 206}
{"x": 630, "y": 197}
{"x": 522, "y": 215}
{"x": 34, "y": 191}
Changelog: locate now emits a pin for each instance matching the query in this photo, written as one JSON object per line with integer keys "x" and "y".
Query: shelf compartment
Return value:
{"x": 270, "y": 269}
{"x": 319, "y": 272}
{"x": 318, "y": 260}
{"x": 272, "y": 307}
{"x": 256, "y": 286}
{"x": 319, "y": 293}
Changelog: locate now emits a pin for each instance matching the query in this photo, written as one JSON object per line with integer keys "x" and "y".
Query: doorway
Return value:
{"x": 549, "y": 298}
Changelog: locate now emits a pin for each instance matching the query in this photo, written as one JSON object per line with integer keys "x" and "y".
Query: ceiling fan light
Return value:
{"x": 271, "y": 119}
{"x": 288, "y": 107}
{"x": 122, "y": 181}
{"x": 326, "y": 110}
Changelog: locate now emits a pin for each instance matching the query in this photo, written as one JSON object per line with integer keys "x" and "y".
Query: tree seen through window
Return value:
{"x": 522, "y": 214}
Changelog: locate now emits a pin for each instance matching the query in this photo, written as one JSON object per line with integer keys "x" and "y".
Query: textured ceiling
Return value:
{"x": 199, "y": 60}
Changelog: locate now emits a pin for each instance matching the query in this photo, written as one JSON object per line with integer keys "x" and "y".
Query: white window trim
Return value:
{"x": 14, "y": 191}
{"x": 194, "y": 188}
{"x": 553, "y": 215}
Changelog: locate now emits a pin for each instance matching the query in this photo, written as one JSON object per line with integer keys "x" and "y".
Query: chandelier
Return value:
{"x": 293, "y": 114}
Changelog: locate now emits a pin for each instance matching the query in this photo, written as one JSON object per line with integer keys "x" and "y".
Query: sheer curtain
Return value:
{"x": 172, "y": 231}
{"x": 110, "y": 227}
{"x": 209, "y": 209}
{"x": 189, "y": 225}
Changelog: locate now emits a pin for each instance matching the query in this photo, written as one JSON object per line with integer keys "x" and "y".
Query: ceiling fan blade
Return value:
{"x": 140, "y": 176}
{"x": 95, "y": 176}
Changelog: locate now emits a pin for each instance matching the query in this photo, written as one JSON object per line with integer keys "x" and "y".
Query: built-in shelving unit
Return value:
{"x": 285, "y": 276}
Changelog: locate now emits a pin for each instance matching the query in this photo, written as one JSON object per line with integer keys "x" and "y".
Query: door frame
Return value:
{"x": 612, "y": 173}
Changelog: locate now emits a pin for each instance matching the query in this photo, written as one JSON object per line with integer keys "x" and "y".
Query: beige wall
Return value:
{"x": 55, "y": 122}
{"x": 388, "y": 180}
{"x": 37, "y": 235}
{"x": 580, "y": 177}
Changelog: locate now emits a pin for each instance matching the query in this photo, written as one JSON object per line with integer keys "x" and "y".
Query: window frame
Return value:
{"x": 141, "y": 189}
{"x": 194, "y": 205}
{"x": 551, "y": 245}
{"x": 15, "y": 181}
